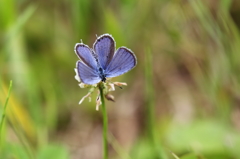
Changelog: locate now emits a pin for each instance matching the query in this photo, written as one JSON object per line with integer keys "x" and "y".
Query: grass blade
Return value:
{"x": 4, "y": 111}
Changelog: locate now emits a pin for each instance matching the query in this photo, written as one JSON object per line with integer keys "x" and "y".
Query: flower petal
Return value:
{"x": 89, "y": 93}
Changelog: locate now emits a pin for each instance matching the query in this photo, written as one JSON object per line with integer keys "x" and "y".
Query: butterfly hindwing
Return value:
{"x": 87, "y": 75}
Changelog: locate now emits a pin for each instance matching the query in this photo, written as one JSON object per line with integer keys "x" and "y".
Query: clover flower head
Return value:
{"x": 108, "y": 87}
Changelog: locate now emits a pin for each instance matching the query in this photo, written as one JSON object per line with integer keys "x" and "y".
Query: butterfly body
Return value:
{"x": 102, "y": 75}
{"x": 103, "y": 61}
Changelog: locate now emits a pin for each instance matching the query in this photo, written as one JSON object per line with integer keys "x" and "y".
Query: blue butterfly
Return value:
{"x": 103, "y": 61}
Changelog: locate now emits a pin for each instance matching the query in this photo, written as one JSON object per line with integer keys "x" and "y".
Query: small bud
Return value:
{"x": 109, "y": 97}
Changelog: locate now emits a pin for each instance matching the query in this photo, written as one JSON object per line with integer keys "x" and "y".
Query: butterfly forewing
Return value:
{"x": 104, "y": 47}
{"x": 87, "y": 75}
{"x": 123, "y": 61}
{"x": 86, "y": 55}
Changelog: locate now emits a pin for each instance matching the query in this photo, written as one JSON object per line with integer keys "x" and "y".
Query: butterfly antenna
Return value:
{"x": 81, "y": 41}
{"x": 96, "y": 36}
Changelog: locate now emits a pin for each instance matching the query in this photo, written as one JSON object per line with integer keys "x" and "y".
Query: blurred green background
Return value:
{"x": 182, "y": 99}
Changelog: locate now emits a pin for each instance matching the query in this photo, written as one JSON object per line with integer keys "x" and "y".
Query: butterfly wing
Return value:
{"x": 123, "y": 61}
{"x": 87, "y": 75}
{"x": 104, "y": 47}
{"x": 86, "y": 55}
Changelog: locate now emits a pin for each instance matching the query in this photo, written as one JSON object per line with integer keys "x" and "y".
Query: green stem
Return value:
{"x": 4, "y": 109}
{"x": 105, "y": 122}
{"x": 150, "y": 109}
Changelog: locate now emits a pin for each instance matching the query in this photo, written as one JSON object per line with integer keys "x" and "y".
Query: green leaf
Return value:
{"x": 190, "y": 156}
{"x": 211, "y": 138}
{"x": 14, "y": 151}
{"x": 53, "y": 151}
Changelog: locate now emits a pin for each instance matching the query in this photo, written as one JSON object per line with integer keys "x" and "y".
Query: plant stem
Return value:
{"x": 105, "y": 122}
{"x": 4, "y": 109}
{"x": 150, "y": 109}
